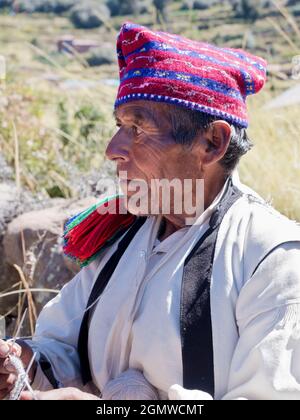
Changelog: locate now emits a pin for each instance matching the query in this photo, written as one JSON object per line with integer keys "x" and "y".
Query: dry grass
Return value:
{"x": 24, "y": 290}
{"x": 45, "y": 142}
{"x": 272, "y": 168}
{"x": 43, "y": 139}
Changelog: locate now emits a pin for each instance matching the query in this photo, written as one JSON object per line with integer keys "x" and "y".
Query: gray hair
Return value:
{"x": 186, "y": 124}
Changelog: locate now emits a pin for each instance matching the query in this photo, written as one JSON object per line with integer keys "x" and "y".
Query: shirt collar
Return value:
{"x": 170, "y": 241}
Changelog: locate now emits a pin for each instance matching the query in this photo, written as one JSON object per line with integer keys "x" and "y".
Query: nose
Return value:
{"x": 118, "y": 147}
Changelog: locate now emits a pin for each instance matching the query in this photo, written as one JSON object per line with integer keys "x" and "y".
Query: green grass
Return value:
{"x": 62, "y": 134}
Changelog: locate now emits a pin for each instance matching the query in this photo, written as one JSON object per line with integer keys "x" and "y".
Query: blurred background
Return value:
{"x": 58, "y": 81}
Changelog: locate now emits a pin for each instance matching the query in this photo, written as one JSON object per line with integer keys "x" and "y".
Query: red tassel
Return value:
{"x": 88, "y": 237}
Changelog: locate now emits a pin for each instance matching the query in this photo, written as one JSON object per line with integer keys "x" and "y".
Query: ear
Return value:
{"x": 217, "y": 138}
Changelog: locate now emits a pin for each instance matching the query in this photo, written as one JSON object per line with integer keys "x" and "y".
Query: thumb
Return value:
{"x": 54, "y": 394}
{"x": 28, "y": 396}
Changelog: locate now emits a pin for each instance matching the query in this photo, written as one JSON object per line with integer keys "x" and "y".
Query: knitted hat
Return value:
{"x": 161, "y": 67}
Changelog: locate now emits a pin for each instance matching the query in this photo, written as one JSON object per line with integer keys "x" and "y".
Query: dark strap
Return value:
{"x": 195, "y": 316}
{"x": 47, "y": 370}
{"x": 99, "y": 286}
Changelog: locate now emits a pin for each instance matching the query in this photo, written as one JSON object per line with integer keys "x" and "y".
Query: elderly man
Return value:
{"x": 164, "y": 308}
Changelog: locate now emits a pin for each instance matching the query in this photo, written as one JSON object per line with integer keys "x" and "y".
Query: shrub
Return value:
{"x": 44, "y": 6}
{"x": 90, "y": 15}
{"x": 292, "y": 2}
{"x": 203, "y": 4}
{"x": 198, "y": 4}
{"x": 145, "y": 6}
{"x": 187, "y": 5}
{"x": 5, "y": 3}
{"x": 161, "y": 4}
{"x": 295, "y": 9}
{"x": 88, "y": 116}
{"x": 101, "y": 56}
{"x": 56, "y": 6}
{"x": 161, "y": 10}
{"x": 128, "y": 7}
{"x": 247, "y": 9}
{"x": 27, "y": 6}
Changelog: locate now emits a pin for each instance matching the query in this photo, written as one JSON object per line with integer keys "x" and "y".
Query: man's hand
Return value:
{"x": 177, "y": 392}
{"x": 59, "y": 394}
{"x": 7, "y": 372}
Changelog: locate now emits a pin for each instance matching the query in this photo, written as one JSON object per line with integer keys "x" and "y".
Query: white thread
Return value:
{"x": 22, "y": 379}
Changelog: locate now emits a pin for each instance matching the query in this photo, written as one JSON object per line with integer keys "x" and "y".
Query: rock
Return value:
{"x": 42, "y": 230}
{"x": 8, "y": 210}
{"x": 33, "y": 241}
{"x": 8, "y": 204}
{"x": 12, "y": 203}
{"x": 96, "y": 183}
{"x": 6, "y": 172}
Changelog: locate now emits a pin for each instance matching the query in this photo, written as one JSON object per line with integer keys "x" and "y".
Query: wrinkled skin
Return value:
{"x": 145, "y": 148}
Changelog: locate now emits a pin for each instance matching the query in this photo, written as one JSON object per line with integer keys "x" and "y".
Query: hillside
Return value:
{"x": 61, "y": 106}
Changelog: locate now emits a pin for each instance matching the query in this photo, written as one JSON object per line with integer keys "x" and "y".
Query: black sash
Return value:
{"x": 195, "y": 315}
{"x": 98, "y": 288}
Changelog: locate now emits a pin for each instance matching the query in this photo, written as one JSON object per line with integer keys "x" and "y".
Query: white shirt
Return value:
{"x": 141, "y": 306}
{"x": 136, "y": 322}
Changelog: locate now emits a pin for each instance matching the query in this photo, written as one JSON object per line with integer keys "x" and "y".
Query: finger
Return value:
{"x": 4, "y": 349}
{"x": 27, "y": 396}
{"x": 56, "y": 394}
{"x": 3, "y": 381}
{"x": 7, "y": 380}
{"x": 7, "y": 347}
{"x": 3, "y": 369}
{"x": 8, "y": 388}
{"x": 12, "y": 377}
{"x": 7, "y": 364}
{"x": 15, "y": 348}
{"x": 60, "y": 394}
{"x": 4, "y": 393}
{"x": 38, "y": 395}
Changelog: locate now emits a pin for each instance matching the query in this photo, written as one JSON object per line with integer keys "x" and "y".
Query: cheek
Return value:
{"x": 149, "y": 160}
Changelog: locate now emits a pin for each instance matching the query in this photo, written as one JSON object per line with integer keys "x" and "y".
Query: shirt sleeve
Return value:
{"x": 265, "y": 364}
{"x": 56, "y": 335}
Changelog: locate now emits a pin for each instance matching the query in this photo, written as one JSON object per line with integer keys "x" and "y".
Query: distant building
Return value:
{"x": 69, "y": 43}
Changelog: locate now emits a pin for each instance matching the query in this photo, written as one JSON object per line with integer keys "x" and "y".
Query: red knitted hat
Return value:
{"x": 162, "y": 67}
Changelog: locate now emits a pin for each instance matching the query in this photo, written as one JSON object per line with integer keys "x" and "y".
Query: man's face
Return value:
{"x": 144, "y": 149}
